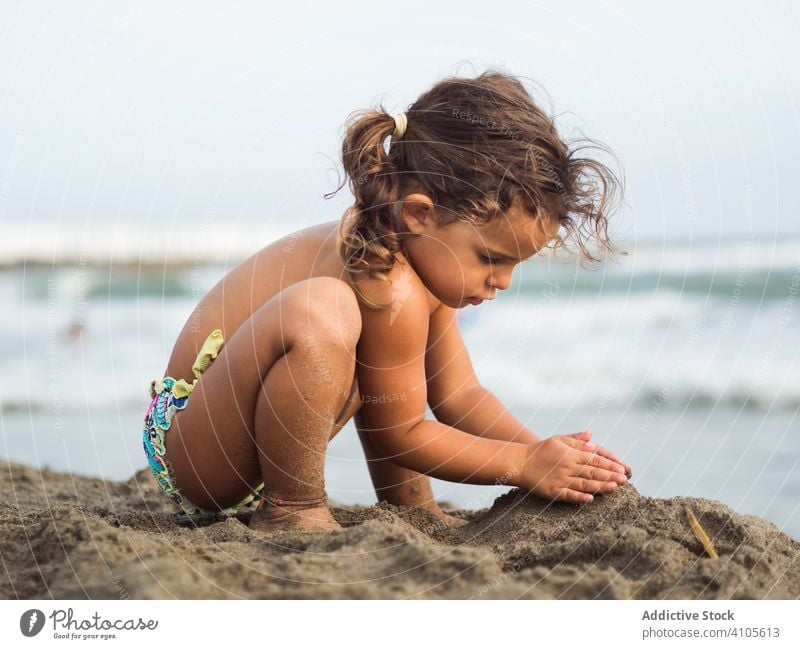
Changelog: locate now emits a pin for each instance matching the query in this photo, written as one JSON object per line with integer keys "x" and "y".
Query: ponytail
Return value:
{"x": 368, "y": 237}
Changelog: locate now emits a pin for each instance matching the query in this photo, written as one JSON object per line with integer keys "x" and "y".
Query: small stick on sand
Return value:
{"x": 700, "y": 533}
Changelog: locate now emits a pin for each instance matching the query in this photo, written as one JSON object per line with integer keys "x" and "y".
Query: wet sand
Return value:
{"x": 65, "y": 536}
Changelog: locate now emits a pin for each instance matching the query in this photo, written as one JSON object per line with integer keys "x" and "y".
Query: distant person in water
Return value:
{"x": 356, "y": 318}
{"x": 76, "y": 332}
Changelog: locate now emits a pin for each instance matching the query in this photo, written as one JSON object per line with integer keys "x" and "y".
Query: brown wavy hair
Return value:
{"x": 475, "y": 146}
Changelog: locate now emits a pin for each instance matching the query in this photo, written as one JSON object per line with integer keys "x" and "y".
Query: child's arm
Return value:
{"x": 391, "y": 377}
{"x": 455, "y": 396}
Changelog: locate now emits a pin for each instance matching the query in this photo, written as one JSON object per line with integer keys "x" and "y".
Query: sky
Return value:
{"x": 227, "y": 113}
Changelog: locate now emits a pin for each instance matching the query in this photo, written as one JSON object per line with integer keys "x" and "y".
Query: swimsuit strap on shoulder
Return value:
{"x": 208, "y": 352}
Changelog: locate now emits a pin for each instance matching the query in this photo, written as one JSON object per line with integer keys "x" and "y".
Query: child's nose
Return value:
{"x": 500, "y": 279}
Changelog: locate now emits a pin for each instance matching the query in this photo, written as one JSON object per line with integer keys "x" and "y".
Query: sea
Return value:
{"x": 681, "y": 355}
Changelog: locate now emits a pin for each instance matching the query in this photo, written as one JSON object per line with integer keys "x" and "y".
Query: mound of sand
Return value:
{"x": 64, "y": 536}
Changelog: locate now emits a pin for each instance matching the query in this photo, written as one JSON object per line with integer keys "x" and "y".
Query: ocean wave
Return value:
{"x": 769, "y": 284}
{"x": 164, "y": 245}
{"x": 706, "y": 399}
{"x": 650, "y": 402}
{"x": 128, "y": 282}
{"x": 61, "y": 405}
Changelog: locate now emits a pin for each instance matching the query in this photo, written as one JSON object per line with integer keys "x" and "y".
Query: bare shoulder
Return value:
{"x": 405, "y": 296}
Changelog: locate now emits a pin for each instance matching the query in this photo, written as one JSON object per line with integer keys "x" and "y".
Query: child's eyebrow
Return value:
{"x": 504, "y": 255}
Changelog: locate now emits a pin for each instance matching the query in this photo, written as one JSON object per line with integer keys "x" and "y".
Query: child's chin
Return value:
{"x": 454, "y": 302}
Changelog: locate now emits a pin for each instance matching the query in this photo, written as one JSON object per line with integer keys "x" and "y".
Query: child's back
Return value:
{"x": 308, "y": 253}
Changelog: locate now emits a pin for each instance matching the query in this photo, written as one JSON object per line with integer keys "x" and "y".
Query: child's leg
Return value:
{"x": 264, "y": 409}
{"x": 396, "y": 484}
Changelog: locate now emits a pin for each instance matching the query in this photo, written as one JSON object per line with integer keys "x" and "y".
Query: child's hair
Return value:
{"x": 475, "y": 146}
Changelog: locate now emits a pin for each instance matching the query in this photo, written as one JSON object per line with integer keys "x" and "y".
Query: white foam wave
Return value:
{"x": 154, "y": 243}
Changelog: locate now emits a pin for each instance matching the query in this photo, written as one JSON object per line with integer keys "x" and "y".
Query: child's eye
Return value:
{"x": 488, "y": 260}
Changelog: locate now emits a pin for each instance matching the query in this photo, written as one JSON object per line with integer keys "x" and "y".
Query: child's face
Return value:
{"x": 453, "y": 261}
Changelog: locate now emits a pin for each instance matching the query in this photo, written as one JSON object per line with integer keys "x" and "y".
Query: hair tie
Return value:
{"x": 400, "y": 125}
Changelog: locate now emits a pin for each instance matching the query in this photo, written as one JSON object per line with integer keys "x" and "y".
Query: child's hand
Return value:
{"x": 586, "y": 435}
{"x": 565, "y": 467}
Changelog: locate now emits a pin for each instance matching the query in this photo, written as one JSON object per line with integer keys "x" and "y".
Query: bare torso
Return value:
{"x": 299, "y": 256}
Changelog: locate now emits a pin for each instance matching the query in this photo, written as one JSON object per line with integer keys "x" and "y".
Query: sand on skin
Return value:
{"x": 64, "y": 536}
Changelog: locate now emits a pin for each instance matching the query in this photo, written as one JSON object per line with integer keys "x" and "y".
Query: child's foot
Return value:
{"x": 454, "y": 521}
{"x": 451, "y": 521}
{"x": 270, "y": 519}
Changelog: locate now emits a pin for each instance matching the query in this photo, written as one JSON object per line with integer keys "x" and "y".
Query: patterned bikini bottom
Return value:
{"x": 169, "y": 395}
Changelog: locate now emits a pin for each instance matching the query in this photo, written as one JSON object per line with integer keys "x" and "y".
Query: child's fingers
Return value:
{"x": 593, "y": 473}
{"x": 592, "y": 486}
{"x": 611, "y": 456}
{"x": 579, "y": 444}
{"x": 584, "y": 435}
{"x": 572, "y": 496}
{"x": 589, "y": 456}
{"x": 600, "y": 462}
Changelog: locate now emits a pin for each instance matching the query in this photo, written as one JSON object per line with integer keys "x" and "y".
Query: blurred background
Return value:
{"x": 146, "y": 148}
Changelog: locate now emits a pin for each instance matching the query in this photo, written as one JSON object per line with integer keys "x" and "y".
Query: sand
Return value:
{"x": 64, "y": 536}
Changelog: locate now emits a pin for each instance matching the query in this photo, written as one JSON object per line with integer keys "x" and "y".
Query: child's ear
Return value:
{"x": 418, "y": 213}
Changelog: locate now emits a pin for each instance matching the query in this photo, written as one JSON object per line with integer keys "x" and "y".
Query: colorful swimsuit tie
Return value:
{"x": 169, "y": 395}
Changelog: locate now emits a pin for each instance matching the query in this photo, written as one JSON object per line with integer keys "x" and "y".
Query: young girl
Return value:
{"x": 357, "y": 318}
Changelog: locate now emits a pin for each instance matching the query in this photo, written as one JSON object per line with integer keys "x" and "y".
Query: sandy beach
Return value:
{"x": 65, "y": 536}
